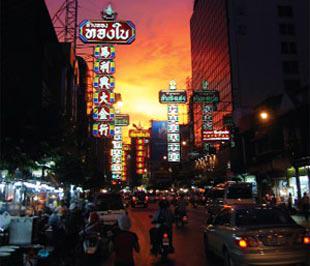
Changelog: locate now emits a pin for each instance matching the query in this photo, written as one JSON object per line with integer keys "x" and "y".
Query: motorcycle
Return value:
{"x": 161, "y": 240}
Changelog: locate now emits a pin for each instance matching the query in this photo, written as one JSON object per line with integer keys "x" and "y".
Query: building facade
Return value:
{"x": 210, "y": 60}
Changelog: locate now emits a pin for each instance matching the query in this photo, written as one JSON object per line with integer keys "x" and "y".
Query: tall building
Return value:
{"x": 250, "y": 50}
{"x": 210, "y": 59}
{"x": 256, "y": 53}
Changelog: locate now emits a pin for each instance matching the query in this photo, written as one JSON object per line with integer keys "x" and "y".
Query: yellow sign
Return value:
{"x": 139, "y": 133}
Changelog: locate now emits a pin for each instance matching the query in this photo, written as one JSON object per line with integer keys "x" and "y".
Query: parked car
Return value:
{"x": 257, "y": 235}
{"x": 139, "y": 198}
{"x": 109, "y": 207}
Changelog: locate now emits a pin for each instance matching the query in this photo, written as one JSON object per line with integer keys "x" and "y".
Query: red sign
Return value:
{"x": 103, "y": 98}
{"x": 215, "y": 135}
{"x": 108, "y": 32}
{"x": 103, "y": 113}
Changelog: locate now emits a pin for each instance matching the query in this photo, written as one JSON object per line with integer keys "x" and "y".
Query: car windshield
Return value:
{"x": 262, "y": 217}
{"x": 105, "y": 202}
{"x": 240, "y": 192}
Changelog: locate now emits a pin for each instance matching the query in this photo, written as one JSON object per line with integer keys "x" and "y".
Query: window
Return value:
{"x": 262, "y": 216}
{"x": 290, "y": 67}
{"x": 224, "y": 217}
{"x": 288, "y": 48}
{"x": 287, "y": 29}
{"x": 285, "y": 11}
{"x": 293, "y": 84}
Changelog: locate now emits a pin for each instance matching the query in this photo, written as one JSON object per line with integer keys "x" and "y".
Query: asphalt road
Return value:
{"x": 188, "y": 241}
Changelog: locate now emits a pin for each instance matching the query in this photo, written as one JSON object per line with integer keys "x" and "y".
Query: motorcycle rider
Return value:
{"x": 165, "y": 218}
{"x": 180, "y": 208}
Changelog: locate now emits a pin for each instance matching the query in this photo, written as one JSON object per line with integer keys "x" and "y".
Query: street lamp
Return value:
{"x": 184, "y": 143}
{"x": 264, "y": 115}
{"x": 165, "y": 157}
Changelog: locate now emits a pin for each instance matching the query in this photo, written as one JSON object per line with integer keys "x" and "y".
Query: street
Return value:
{"x": 188, "y": 241}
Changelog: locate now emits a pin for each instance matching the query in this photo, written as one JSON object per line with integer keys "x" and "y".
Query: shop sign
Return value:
{"x": 174, "y": 157}
{"x": 103, "y": 98}
{"x": 174, "y": 147}
{"x": 121, "y": 120}
{"x": 104, "y": 52}
{"x": 102, "y": 130}
{"x": 139, "y": 133}
{"x": 106, "y": 67}
{"x": 206, "y": 96}
{"x": 104, "y": 82}
{"x": 103, "y": 113}
{"x": 107, "y": 32}
{"x": 173, "y": 97}
{"x": 216, "y": 135}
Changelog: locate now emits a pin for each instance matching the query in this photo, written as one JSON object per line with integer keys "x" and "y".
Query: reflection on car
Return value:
{"x": 257, "y": 235}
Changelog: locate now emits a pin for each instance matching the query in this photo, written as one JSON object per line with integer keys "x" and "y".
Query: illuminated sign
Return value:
{"x": 103, "y": 98}
{"x": 106, "y": 67}
{"x": 104, "y": 82}
{"x": 133, "y": 133}
{"x": 121, "y": 120}
{"x": 216, "y": 135}
{"x": 107, "y": 32}
{"x": 140, "y": 155}
{"x": 117, "y": 154}
{"x": 206, "y": 96}
{"x": 174, "y": 97}
{"x": 104, "y": 52}
{"x": 102, "y": 130}
{"x": 103, "y": 113}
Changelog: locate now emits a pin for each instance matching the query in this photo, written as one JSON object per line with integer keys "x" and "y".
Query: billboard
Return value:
{"x": 158, "y": 140}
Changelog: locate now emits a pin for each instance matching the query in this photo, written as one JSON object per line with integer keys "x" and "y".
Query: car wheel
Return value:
{"x": 227, "y": 259}
{"x": 206, "y": 246}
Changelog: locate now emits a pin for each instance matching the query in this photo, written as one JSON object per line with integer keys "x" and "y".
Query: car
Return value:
{"x": 109, "y": 206}
{"x": 257, "y": 235}
{"x": 139, "y": 198}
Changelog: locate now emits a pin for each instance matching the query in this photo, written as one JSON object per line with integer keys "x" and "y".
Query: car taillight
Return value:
{"x": 134, "y": 198}
{"x": 245, "y": 242}
{"x": 242, "y": 243}
{"x": 146, "y": 198}
{"x": 184, "y": 218}
{"x": 165, "y": 235}
{"x": 306, "y": 240}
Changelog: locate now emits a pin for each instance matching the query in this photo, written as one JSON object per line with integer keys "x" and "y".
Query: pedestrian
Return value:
{"x": 305, "y": 206}
{"x": 124, "y": 243}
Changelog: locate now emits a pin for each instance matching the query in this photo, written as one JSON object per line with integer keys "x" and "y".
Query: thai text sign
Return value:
{"x": 174, "y": 97}
{"x": 139, "y": 133}
{"x": 215, "y": 135}
{"x": 108, "y": 32}
{"x": 121, "y": 120}
{"x": 206, "y": 96}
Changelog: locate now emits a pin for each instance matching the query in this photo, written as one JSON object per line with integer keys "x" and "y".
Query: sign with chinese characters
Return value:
{"x": 206, "y": 96}
{"x": 102, "y": 130}
{"x": 108, "y": 32}
{"x": 103, "y": 97}
{"x": 215, "y": 135}
{"x": 144, "y": 133}
{"x": 117, "y": 153}
{"x": 121, "y": 120}
{"x": 103, "y": 82}
{"x": 140, "y": 155}
{"x": 104, "y": 52}
{"x": 106, "y": 67}
{"x": 103, "y": 113}
{"x": 173, "y": 97}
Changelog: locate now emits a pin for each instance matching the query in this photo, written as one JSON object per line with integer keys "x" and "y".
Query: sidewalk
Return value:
{"x": 301, "y": 220}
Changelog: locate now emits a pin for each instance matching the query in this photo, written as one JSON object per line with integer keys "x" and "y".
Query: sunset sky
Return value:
{"x": 161, "y": 51}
